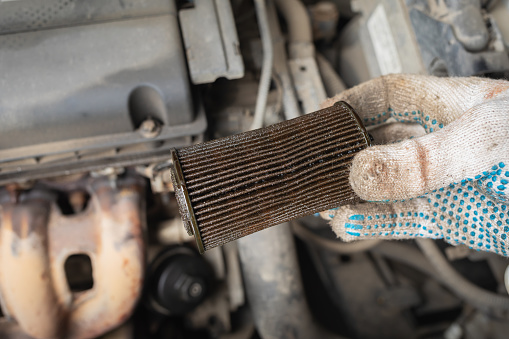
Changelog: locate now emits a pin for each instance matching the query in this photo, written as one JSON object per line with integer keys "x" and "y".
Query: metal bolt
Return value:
{"x": 195, "y": 290}
{"x": 111, "y": 172}
{"x": 149, "y": 128}
{"x": 190, "y": 287}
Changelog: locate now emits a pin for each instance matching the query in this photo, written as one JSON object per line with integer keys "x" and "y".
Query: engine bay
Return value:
{"x": 95, "y": 95}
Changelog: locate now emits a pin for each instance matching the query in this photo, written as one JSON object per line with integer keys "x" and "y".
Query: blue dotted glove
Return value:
{"x": 451, "y": 183}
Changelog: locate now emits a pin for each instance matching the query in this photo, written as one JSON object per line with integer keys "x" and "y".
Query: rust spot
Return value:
{"x": 135, "y": 289}
{"x": 29, "y": 217}
{"x": 14, "y": 191}
{"x": 496, "y": 91}
{"x": 123, "y": 317}
{"x": 23, "y": 226}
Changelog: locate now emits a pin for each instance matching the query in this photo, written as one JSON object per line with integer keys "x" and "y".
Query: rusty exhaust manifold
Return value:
{"x": 231, "y": 187}
{"x": 35, "y": 241}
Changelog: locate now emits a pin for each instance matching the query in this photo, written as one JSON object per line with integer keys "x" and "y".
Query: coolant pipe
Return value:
{"x": 274, "y": 287}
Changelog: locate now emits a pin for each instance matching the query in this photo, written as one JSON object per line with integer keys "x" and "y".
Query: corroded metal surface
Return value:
{"x": 35, "y": 241}
{"x": 234, "y": 186}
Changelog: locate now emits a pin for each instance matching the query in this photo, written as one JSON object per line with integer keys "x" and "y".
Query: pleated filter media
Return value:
{"x": 234, "y": 186}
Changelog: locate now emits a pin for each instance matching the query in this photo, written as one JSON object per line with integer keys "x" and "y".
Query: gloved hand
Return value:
{"x": 451, "y": 183}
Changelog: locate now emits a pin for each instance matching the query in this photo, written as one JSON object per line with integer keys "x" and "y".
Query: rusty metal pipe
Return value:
{"x": 25, "y": 280}
{"x": 118, "y": 263}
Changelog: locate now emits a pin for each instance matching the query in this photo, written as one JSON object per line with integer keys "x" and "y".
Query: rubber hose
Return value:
{"x": 476, "y": 296}
{"x": 408, "y": 256}
{"x": 330, "y": 244}
{"x": 331, "y": 80}
{"x": 268, "y": 59}
{"x": 297, "y": 20}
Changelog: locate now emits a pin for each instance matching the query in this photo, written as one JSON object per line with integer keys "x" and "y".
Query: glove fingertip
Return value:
{"x": 346, "y": 222}
{"x": 387, "y": 173}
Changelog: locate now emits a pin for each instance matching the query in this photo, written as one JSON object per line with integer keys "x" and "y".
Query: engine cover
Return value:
{"x": 79, "y": 79}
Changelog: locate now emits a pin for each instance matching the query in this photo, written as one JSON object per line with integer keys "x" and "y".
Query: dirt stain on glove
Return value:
{"x": 495, "y": 91}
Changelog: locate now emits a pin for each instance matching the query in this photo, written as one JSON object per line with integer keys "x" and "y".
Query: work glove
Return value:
{"x": 450, "y": 181}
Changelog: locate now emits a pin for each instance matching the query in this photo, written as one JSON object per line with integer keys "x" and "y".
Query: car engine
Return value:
{"x": 94, "y": 96}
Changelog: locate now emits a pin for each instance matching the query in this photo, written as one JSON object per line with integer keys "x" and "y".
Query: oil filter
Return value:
{"x": 234, "y": 186}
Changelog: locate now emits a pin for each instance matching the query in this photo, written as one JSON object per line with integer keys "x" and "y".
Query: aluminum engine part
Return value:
{"x": 36, "y": 242}
{"x": 91, "y": 84}
{"x": 234, "y": 186}
{"x": 422, "y": 37}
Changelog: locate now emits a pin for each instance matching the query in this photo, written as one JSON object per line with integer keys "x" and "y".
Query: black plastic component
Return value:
{"x": 180, "y": 280}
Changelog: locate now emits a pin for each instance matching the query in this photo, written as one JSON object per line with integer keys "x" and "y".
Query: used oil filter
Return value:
{"x": 234, "y": 186}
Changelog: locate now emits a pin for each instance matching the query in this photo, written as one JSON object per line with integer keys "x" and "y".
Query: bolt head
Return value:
{"x": 149, "y": 128}
{"x": 195, "y": 290}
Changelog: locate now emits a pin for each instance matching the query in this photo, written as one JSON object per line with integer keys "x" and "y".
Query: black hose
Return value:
{"x": 476, "y": 296}
{"x": 330, "y": 244}
{"x": 408, "y": 256}
{"x": 331, "y": 80}
{"x": 432, "y": 263}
